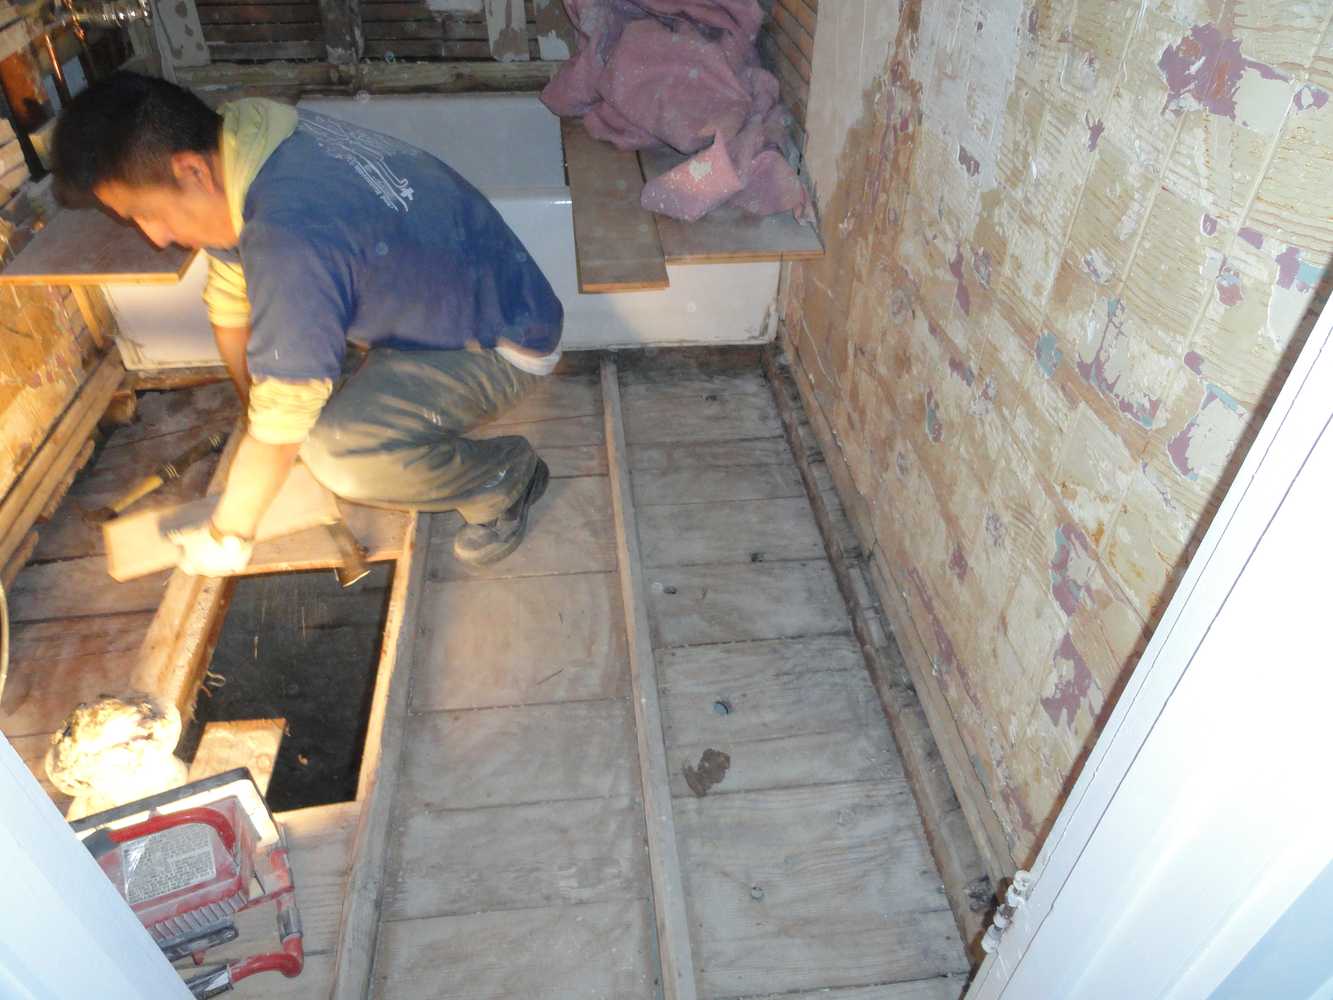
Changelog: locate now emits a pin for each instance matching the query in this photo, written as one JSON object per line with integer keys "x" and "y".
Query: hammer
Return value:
{"x": 164, "y": 473}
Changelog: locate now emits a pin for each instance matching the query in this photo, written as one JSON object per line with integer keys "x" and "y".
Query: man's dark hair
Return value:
{"x": 126, "y": 129}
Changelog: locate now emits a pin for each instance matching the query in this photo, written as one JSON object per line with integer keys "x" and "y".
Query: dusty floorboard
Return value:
{"x": 516, "y": 865}
{"x": 804, "y": 860}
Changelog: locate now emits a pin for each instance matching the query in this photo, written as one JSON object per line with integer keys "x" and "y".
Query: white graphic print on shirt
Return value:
{"x": 366, "y": 152}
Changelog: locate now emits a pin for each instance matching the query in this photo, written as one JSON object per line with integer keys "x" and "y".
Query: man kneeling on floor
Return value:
{"x": 320, "y": 233}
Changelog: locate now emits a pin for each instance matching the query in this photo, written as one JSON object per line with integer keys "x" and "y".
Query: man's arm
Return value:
{"x": 257, "y": 473}
{"x": 232, "y": 342}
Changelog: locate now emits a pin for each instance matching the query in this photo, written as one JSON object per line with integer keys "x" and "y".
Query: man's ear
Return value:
{"x": 194, "y": 172}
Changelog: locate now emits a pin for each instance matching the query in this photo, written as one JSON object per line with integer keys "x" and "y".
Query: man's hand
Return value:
{"x": 207, "y": 552}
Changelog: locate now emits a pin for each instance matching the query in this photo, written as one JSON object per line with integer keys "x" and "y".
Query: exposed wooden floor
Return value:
{"x": 517, "y": 863}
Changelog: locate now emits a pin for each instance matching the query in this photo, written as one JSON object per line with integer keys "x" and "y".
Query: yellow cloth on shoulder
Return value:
{"x": 251, "y": 130}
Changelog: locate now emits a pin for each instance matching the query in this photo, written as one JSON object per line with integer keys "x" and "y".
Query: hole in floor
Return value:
{"x": 296, "y": 646}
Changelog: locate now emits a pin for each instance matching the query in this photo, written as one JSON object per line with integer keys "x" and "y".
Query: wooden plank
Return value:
{"x": 79, "y": 587}
{"x": 251, "y": 743}
{"x": 728, "y": 234}
{"x": 513, "y": 857}
{"x": 380, "y": 764}
{"x": 137, "y": 544}
{"x": 723, "y": 407}
{"x": 550, "y": 953}
{"x": 705, "y": 485}
{"x": 298, "y": 32}
{"x": 33, "y": 751}
{"x": 842, "y": 869}
{"x": 707, "y": 456}
{"x": 936, "y": 988}
{"x": 523, "y": 754}
{"x": 284, "y": 13}
{"x": 558, "y": 397}
{"x": 697, "y": 605}
{"x": 507, "y": 26}
{"x": 95, "y": 312}
{"x": 223, "y": 51}
{"x": 754, "y": 531}
{"x": 933, "y": 769}
{"x": 569, "y": 531}
{"x": 615, "y": 239}
{"x": 673, "y": 922}
{"x": 175, "y": 649}
{"x": 33, "y": 488}
{"x": 380, "y": 532}
{"x": 91, "y": 248}
{"x": 42, "y": 690}
{"x": 521, "y": 641}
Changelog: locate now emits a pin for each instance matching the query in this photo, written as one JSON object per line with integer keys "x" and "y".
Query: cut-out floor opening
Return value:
{"x": 296, "y": 646}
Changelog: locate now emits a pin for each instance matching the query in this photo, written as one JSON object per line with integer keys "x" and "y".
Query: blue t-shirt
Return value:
{"x": 352, "y": 235}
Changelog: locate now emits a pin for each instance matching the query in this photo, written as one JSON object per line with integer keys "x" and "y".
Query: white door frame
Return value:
{"x": 1205, "y": 808}
{"x": 65, "y": 933}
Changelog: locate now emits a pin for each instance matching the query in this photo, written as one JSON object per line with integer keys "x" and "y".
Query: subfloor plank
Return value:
{"x": 702, "y": 409}
{"x": 692, "y": 534}
{"x": 512, "y": 857}
{"x": 935, "y": 988}
{"x": 75, "y": 588}
{"x": 32, "y": 749}
{"x": 38, "y": 697}
{"x": 592, "y": 950}
{"x": 705, "y": 485}
{"x": 569, "y": 531}
{"x": 782, "y": 762}
{"x": 510, "y": 756}
{"x": 697, "y": 605}
{"x": 842, "y": 870}
{"x": 690, "y": 456}
{"x": 513, "y": 642}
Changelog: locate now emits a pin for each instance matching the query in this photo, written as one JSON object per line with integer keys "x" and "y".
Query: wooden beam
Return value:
{"x": 673, "y": 929}
{"x": 376, "y": 77}
{"x": 84, "y": 247}
{"x": 45, "y": 473}
{"x": 615, "y": 238}
{"x": 380, "y": 764}
{"x": 507, "y": 27}
{"x": 728, "y": 234}
{"x": 178, "y": 378}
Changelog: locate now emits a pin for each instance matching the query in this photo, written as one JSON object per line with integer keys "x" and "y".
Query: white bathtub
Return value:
{"x": 509, "y": 147}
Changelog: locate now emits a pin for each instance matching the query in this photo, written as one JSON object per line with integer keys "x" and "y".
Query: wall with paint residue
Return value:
{"x": 1070, "y": 245}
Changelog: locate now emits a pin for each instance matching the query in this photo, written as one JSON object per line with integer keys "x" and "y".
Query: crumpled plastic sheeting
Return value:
{"x": 684, "y": 73}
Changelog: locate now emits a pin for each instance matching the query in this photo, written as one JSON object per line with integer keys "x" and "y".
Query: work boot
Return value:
{"x": 479, "y": 544}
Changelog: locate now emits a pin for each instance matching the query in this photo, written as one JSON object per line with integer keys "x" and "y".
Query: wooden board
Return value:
{"x": 753, "y": 531}
{"x": 251, "y": 743}
{"x": 548, "y": 953}
{"x": 727, "y": 234}
{"x": 546, "y": 638}
{"x": 507, "y": 26}
{"x": 511, "y": 756}
{"x": 515, "y": 857}
{"x": 710, "y": 484}
{"x": 706, "y": 604}
{"x": 842, "y": 869}
{"x": 700, "y": 408}
{"x": 615, "y": 239}
{"x": 675, "y": 954}
{"x": 91, "y": 248}
{"x": 137, "y": 544}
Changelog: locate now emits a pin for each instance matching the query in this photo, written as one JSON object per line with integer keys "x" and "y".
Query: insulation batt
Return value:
{"x": 684, "y": 73}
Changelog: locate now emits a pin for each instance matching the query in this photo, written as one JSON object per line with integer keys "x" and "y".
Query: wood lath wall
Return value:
{"x": 393, "y": 30}
{"x": 787, "y": 44}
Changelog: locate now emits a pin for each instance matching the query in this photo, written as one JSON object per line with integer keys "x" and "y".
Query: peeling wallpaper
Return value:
{"x": 1072, "y": 246}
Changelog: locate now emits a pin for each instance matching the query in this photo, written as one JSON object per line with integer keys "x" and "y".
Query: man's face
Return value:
{"x": 192, "y": 212}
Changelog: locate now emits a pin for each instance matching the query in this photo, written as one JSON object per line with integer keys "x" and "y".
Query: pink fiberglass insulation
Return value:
{"x": 686, "y": 74}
